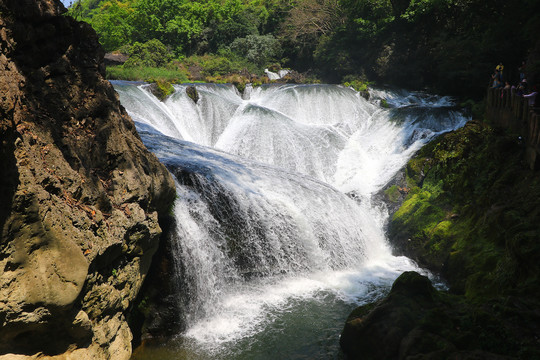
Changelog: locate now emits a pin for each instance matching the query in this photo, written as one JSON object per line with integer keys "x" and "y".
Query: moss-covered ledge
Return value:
{"x": 471, "y": 214}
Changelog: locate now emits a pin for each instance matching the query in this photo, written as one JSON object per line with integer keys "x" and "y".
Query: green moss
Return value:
{"x": 419, "y": 212}
{"x": 193, "y": 94}
{"x": 161, "y": 89}
{"x": 165, "y": 87}
{"x": 385, "y": 104}
{"x": 240, "y": 86}
{"x": 442, "y": 229}
{"x": 472, "y": 212}
{"x": 415, "y": 171}
{"x": 357, "y": 85}
{"x": 361, "y": 311}
{"x": 392, "y": 193}
{"x": 170, "y": 210}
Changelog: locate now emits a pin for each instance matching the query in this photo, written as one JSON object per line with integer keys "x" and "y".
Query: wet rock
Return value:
{"x": 191, "y": 91}
{"x": 161, "y": 89}
{"x": 388, "y": 322}
{"x": 365, "y": 94}
{"x": 415, "y": 321}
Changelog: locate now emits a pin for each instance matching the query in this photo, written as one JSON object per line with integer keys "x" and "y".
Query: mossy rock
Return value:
{"x": 453, "y": 220}
{"x": 389, "y": 321}
{"x": 240, "y": 86}
{"x": 393, "y": 194}
{"x": 413, "y": 285}
{"x": 161, "y": 89}
{"x": 193, "y": 94}
{"x": 471, "y": 214}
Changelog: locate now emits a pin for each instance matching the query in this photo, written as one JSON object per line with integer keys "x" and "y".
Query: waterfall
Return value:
{"x": 276, "y": 76}
{"x": 265, "y": 212}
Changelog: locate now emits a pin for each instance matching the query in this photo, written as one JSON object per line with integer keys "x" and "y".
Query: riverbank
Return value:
{"x": 205, "y": 71}
{"x": 471, "y": 214}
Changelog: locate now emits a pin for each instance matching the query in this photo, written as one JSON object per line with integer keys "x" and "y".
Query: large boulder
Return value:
{"x": 378, "y": 331}
{"x": 415, "y": 321}
{"x": 79, "y": 193}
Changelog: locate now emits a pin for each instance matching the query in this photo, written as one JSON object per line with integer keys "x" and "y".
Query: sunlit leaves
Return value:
{"x": 179, "y": 24}
{"x": 150, "y": 54}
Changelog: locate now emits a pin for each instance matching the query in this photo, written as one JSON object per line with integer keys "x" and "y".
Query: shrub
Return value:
{"x": 150, "y": 54}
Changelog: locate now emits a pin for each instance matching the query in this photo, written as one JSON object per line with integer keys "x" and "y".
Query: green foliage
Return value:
{"x": 112, "y": 20}
{"x": 475, "y": 211}
{"x": 355, "y": 83}
{"x": 385, "y": 104}
{"x": 447, "y": 45}
{"x": 369, "y": 17}
{"x": 392, "y": 193}
{"x": 183, "y": 25}
{"x": 146, "y": 74}
{"x": 258, "y": 49}
{"x": 213, "y": 65}
{"x": 150, "y": 54}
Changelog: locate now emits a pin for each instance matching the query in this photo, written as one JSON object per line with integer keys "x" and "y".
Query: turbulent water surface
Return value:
{"x": 279, "y": 236}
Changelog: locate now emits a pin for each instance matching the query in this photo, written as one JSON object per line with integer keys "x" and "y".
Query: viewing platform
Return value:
{"x": 506, "y": 109}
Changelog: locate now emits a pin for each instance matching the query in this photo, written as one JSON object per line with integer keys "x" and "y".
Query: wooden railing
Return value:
{"x": 506, "y": 109}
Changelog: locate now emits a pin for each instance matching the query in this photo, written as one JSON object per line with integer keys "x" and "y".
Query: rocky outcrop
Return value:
{"x": 471, "y": 215}
{"x": 191, "y": 91}
{"x": 80, "y": 194}
{"x": 115, "y": 59}
{"x": 417, "y": 322}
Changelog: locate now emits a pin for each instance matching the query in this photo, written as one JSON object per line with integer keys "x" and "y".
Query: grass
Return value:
{"x": 147, "y": 74}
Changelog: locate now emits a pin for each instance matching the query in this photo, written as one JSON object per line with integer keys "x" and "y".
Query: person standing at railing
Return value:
{"x": 521, "y": 88}
{"x": 531, "y": 97}
{"x": 497, "y": 80}
{"x": 499, "y": 71}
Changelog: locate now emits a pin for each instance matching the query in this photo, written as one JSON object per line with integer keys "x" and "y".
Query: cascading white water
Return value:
{"x": 263, "y": 219}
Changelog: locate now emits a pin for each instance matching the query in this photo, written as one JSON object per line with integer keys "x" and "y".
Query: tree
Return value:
{"x": 112, "y": 22}
{"x": 310, "y": 19}
{"x": 258, "y": 49}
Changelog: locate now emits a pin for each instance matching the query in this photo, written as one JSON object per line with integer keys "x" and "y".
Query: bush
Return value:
{"x": 357, "y": 85}
{"x": 216, "y": 65}
{"x": 150, "y": 54}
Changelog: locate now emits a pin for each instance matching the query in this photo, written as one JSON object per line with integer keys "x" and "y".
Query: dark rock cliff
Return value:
{"x": 79, "y": 193}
